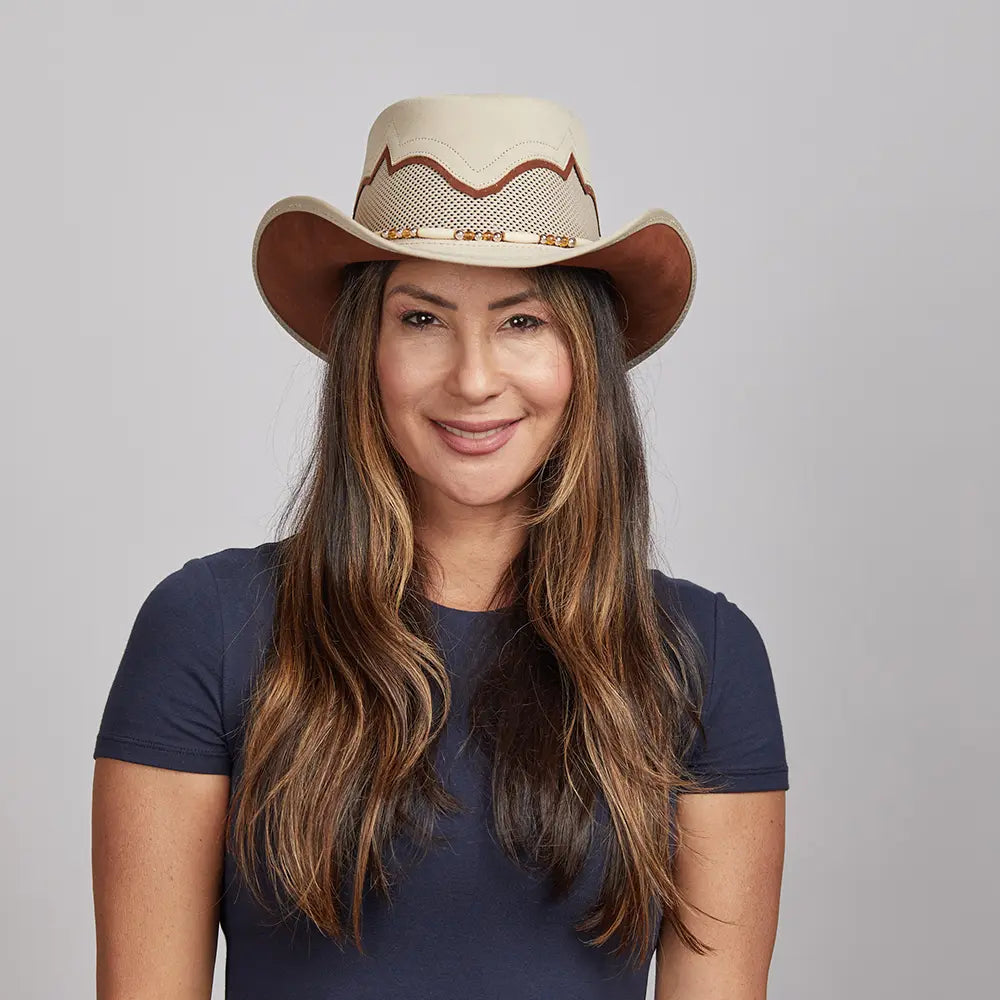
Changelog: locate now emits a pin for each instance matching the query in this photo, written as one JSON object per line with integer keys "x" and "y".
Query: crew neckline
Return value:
{"x": 469, "y": 613}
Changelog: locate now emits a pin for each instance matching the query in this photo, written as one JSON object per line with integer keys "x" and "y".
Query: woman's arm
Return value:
{"x": 157, "y": 855}
{"x": 729, "y": 863}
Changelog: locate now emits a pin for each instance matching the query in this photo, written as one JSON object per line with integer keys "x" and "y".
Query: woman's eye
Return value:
{"x": 417, "y": 317}
{"x": 531, "y": 324}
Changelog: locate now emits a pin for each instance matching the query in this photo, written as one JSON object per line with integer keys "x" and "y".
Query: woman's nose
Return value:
{"x": 475, "y": 369}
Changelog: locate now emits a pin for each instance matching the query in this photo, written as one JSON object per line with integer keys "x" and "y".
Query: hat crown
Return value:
{"x": 478, "y": 161}
{"x": 478, "y": 138}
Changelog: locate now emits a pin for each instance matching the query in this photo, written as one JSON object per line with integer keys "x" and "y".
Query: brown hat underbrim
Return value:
{"x": 302, "y": 243}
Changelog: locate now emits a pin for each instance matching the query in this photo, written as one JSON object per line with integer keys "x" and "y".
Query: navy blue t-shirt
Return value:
{"x": 465, "y": 921}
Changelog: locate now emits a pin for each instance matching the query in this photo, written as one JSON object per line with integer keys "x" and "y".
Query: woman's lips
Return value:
{"x": 477, "y": 446}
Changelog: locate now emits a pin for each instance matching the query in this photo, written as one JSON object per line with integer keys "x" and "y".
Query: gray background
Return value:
{"x": 822, "y": 437}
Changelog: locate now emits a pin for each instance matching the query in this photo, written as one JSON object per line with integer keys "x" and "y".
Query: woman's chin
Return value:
{"x": 478, "y": 494}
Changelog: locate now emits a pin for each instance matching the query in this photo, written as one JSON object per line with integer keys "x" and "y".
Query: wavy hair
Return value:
{"x": 598, "y": 693}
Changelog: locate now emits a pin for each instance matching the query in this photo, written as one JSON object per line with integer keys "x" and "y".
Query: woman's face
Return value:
{"x": 459, "y": 343}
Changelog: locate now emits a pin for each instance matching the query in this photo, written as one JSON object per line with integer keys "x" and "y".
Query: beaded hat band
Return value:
{"x": 513, "y": 236}
{"x": 489, "y": 180}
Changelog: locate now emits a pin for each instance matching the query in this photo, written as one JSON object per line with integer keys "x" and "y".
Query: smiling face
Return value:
{"x": 463, "y": 344}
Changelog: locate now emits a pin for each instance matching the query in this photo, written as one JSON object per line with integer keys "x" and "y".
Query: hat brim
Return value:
{"x": 302, "y": 243}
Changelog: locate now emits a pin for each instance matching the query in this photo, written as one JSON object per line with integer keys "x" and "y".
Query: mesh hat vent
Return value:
{"x": 537, "y": 200}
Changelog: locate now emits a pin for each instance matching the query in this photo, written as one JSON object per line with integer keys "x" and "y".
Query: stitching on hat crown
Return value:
{"x": 400, "y": 149}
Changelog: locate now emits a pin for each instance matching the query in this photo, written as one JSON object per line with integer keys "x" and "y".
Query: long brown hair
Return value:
{"x": 598, "y": 693}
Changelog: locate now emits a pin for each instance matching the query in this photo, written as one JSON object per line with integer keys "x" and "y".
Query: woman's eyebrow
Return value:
{"x": 421, "y": 293}
{"x": 512, "y": 300}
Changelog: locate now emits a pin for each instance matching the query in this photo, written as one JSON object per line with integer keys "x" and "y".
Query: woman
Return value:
{"x": 450, "y": 724}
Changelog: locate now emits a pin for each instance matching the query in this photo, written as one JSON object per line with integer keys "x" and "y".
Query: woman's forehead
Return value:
{"x": 459, "y": 280}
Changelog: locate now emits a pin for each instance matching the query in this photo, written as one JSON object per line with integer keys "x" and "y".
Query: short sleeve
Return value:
{"x": 743, "y": 749}
{"x": 165, "y": 704}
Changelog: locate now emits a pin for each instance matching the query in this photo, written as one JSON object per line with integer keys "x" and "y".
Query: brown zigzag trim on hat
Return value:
{"x": 391, "y": 168}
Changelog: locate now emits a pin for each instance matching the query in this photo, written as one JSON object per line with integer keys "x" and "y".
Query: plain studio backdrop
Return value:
{"x": 822, "y": 429}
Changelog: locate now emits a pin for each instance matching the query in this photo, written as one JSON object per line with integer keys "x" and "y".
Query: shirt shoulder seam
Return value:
{"x": 222, "y": 651}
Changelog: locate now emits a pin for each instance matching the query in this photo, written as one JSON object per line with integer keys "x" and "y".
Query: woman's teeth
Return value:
{"x": 476, "y": 435}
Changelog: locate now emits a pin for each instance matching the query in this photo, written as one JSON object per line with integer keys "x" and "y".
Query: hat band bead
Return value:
{"x": 490, "y": 235}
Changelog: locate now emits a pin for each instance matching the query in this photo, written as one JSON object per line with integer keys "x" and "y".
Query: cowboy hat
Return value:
{"x": 492, "y": 180}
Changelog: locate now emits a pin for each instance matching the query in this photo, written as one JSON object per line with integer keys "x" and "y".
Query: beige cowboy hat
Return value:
{"x": 492, "y": 180}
